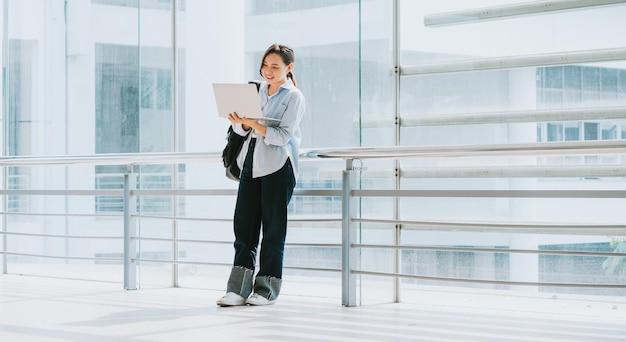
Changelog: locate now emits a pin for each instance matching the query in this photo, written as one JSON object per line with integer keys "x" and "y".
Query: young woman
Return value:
{"x": 269, "y": 164}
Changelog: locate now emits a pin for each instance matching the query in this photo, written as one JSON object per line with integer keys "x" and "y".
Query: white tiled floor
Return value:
{"x": 48, "y": 309}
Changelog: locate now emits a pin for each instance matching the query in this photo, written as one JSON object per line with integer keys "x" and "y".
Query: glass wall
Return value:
{"x": 107, "y": 77}
{"x": 470, "y": 81}
{"x": 125, "y": 76}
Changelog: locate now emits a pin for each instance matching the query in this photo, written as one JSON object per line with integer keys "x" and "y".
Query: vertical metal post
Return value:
{"x": 4, "y": 114}
{"x": 396, "y": 110}
{"x": 175, "y": 147}
{"x": 5, "y": 245}
{"x": 348, "y": 228}
{"x": 130, "y": 230}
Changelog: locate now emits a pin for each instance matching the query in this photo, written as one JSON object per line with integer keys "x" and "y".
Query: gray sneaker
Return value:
{"x": 257, "y": 299}
{"x": 231, "y": 299}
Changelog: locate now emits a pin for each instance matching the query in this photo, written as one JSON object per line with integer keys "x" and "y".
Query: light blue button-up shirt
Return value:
{"x": 282, "y": 139}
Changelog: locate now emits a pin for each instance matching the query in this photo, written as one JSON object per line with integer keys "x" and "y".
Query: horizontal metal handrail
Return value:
{"x": 515, "y": 171}
{"x": 503, "y": 227}
{"x": 63, "y": 236}
{"x": 521, "y": 149}
{"x": 518, "y": 116}
{"x": 57, "y": 192}
{"x": 12, "y": 213}
{"x": 512, "y": 62}
{"x": 144, "y": 238}
{"x": 498, "y": 117}
{"x": 181, "y": 218}
{"x": 185, "y": 218}
{"x": 488, "y": 250}
{"x": 156, "y": 192}
{"x": 289, "y": 244}
{"x": 226, "y": 192}
{"x": 164, "y": 217}
{"x": 493, "y": 193}
{"x": 113, "y": 159}
{"x": 538, "y": 149}
{"x": 511, "y": 10}
{"x": 48, "y": 256}
{"x": 487, "y": 281}
{"x": 204, "y": 263}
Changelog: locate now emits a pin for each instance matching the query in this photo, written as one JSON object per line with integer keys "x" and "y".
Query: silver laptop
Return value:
{"x": 242, "y": 98}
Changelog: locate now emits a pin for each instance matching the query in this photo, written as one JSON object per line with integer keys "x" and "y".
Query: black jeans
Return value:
{"x": 262, "y": 203}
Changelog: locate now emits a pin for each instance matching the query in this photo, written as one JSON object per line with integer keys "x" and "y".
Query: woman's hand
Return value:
{"x": 247, "y": 123}
{"x": 235, "y": 118}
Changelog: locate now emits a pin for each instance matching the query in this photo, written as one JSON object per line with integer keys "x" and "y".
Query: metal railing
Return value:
{"x": 350, "y": 268}
{"x": 512, "y": 10}
{"x": 350, "y": 194}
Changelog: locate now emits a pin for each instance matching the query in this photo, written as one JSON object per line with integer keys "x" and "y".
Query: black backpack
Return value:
{"x": 234, "y": 142}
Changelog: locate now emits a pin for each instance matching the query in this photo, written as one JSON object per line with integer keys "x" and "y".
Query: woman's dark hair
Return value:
{"x": 286, "y": 54}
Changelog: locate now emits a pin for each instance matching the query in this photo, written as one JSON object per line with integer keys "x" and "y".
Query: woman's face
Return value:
{"x": 274, "y": 70}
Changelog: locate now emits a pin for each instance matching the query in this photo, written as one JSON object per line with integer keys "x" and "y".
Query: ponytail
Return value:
{"x": 293, "y": 78}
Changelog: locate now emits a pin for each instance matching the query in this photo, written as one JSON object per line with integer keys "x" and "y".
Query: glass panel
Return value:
{"x": 479, "y": 107}
{"x": 332, "y": 107}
